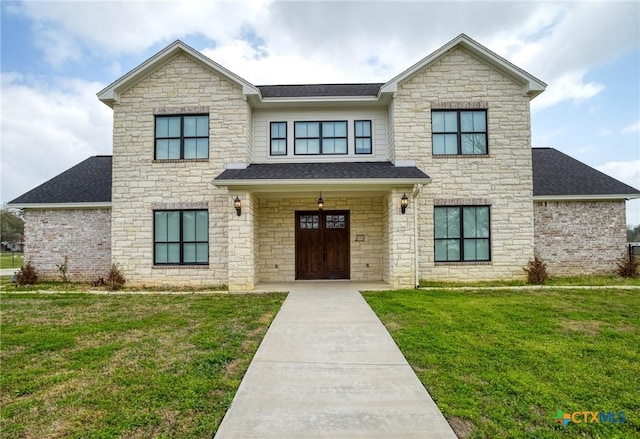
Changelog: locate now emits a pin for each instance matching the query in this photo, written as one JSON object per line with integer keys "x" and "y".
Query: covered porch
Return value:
{"x": 327, "y": 221}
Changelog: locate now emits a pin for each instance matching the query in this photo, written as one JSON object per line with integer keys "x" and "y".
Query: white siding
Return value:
{"x": 378, "y": 117}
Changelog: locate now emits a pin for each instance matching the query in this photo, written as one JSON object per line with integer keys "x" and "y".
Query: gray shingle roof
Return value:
{"x": 322, "y": 171}
{"x": 319, "y": 90}
{"x": 555, "y": 173}
{"x": 86, "y": 182}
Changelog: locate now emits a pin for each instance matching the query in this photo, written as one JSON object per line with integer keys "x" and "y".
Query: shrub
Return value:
{"x": 115, "y": 279}
{"x": 536, "y": 271}
{"x": 627, "y": 266}
{"x": 63, "y": 268}
{"x": 27, "y": 275}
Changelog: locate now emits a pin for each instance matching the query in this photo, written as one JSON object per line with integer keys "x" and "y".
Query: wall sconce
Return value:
{"x": 320, "y": 202}
{"x": 404, "y": 202}
{"x": 238, "y": 205}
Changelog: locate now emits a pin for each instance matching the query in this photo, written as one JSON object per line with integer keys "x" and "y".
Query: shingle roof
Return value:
{"x": 555, "y": 173}
{"x": 323, "y": 171}
{"x": 318, "y": 90}
{"x": 87, "y": 182}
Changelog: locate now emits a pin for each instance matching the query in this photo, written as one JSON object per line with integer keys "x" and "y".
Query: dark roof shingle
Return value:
{"x": 322, "y": 171}
{"x": 86, "y": 182}
{"x": 319, "y": 90}
{"x": 555, "y": 173}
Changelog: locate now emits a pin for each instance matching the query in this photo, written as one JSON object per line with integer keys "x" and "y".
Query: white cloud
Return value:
{"x": 47, "y": 128}
{"x": 570, "y": 86}
{"x": 632, "y": 128}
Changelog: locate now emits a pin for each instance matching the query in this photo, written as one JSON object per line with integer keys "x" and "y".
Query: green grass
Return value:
{"x": 500, "y": 364}
{"x": 79, "y": 365}
{"x": 10, "y": 260}
{"x": 553, "y": 281}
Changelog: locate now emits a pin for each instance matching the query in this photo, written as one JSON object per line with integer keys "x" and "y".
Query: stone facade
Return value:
{"x": 580, "y": 237}
{"x": 140, "y": 183}
{"x": 502, "y": 179}
{"x": 83, "y": 235}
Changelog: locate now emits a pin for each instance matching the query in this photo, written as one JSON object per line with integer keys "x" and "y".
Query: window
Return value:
{"x": 459, "y": 132}
{"x": 278, "y": 138}
{"x": 320, "y": 137}
{"x": 182, "y": 137}
{"x": 362, "y": 129}
{"x": 461, "y": 233}
{"x": 181, "y": 237}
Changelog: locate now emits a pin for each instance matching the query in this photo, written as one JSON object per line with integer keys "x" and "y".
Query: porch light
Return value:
{"x": 320, "y": 202}
{"x": 404, "y": 202}
{"x": 238, "y": 205}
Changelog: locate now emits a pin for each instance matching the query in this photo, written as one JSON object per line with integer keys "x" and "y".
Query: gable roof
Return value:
{"x": 532, "y": 86}
{"x": 559, "y": 176}
{"x": 111, "y": 93}
{"x": 316, "y": 90}
{"x": 86, "y": 184}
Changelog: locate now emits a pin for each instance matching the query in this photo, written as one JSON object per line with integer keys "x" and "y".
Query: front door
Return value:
{"x": 322, "y": 245}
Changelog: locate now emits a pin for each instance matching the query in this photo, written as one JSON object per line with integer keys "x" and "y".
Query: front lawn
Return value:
{"x": 80, "y": 365}
{"x": 500, "y": 364}
{"x": 10, "y": 259}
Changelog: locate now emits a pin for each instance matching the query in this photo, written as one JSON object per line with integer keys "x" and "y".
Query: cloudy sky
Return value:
{"x": 56, "y": 55}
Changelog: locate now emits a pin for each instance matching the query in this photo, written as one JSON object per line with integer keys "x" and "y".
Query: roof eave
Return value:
{"x": 111, "y": 94}
{"x": 305, "y": 184}
{"x": 532, "y": 85}
{"x": 80, "y": 205}
{"x": 593, "y": 197}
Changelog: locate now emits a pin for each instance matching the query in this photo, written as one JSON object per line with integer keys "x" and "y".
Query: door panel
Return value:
{"x": 322, "y": 245}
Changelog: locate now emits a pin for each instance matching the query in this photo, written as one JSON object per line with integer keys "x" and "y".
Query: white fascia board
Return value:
{"x": 111, "y": 93}
{"x": 320, "y": 100}
{"x": 532, "y": 85}
{"x": 604, "y": 197}
{"x": 305, "y": 184}
{"x": 102, "y": 205}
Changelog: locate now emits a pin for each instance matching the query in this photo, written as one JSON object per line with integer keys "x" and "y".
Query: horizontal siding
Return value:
{"x": 261, "y": 120}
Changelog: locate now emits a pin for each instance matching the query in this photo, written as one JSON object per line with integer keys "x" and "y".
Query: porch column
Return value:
{"x": 401, "y": 242}
{"x": 241, "y": 267}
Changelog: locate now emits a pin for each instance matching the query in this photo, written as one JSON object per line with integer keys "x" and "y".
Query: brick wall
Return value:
{"x": 503, "y": 177}
{"x": 84, "y": 235}
{"x": 580, "y": 237}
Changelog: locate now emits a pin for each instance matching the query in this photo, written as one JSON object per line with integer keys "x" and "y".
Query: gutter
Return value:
{"x": 416, "y": 192}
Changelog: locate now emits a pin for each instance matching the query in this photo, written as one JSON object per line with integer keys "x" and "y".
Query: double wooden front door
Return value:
{"x": 322, "y": 245}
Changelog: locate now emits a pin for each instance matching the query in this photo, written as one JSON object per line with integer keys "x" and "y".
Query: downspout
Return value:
{"x": 416, "y": 192}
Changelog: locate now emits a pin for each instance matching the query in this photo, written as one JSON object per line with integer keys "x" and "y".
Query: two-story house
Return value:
{"x": 214, "y": 180}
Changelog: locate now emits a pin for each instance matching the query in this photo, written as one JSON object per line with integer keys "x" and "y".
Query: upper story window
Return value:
{"x": 458, "y": 132}
{"x": 181, "y": 237}
{"x": 461, "y": 233}
{"x": 320, "y": 137}
{"x": 278, "y": 136}
{"x": 362, "y": 130}
{"x": 182, "y": 137}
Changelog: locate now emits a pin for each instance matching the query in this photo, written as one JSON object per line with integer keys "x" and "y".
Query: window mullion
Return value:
{"x": 461, "y": 228}
{"x": 321, "y": 138}
{"x": 181, "y": 138}
{"x": 181, "y": 237}
{"x": 459, "y": 134}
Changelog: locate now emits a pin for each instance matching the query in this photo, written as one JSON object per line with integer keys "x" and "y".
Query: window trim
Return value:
{"x": 320, "y": 137}
{"x": 356, "y": 137}
{"x": 181, "y": 241}
{"x": 461, "y": 239}
{"x": 459, "y": 131}
{"x": 271, "y": 139}
{"x": 182, "y": 136}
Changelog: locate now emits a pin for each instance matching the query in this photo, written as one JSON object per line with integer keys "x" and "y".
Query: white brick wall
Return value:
{"x": 580, "y": 237}
{"x": 83, "y": 235}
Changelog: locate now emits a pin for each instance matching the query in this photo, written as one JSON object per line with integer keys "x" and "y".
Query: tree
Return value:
{"x": 11, "y": 226}
{"x": 633, "y": 233}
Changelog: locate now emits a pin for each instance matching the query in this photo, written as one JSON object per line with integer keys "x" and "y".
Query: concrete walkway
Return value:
{"x": 328, "y": 368}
